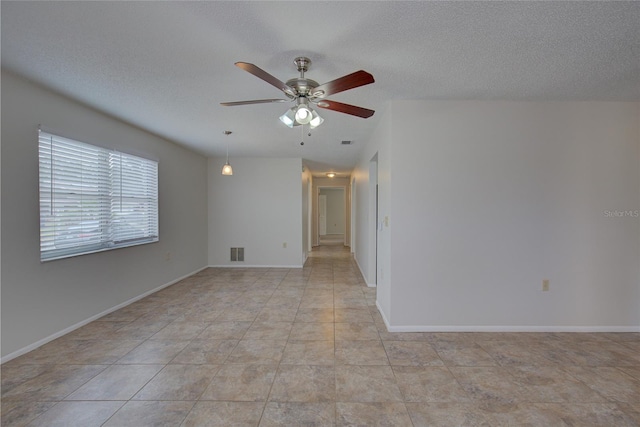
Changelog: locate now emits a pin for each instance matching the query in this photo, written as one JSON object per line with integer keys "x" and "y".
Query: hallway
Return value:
{"x": 300, "y": 347}
{"x": 332, "y": 240}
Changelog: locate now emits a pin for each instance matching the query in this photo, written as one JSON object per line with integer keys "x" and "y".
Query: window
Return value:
{"x": 93, "y": 199}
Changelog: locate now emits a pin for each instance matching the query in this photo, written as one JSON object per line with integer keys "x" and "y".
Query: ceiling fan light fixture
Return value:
{"x": 303, "y": 114}
{"x": 316, "y": 120}
{"x": 288, "y": 118}
{"x": 303, "y": 111}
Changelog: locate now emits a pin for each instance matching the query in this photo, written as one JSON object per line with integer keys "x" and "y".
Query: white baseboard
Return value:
{"x": 499, "y": 328}
{"x": 364, "y": 276}
{"x": 254, "y": 266}
{"x": 72, "y": 328}
{"x": 384, "y": 317}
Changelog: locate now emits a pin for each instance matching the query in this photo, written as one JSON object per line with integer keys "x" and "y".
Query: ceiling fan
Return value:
{"x": 304, "y": 92}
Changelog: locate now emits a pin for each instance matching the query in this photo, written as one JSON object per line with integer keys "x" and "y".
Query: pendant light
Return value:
{"x": 227, "y": 170}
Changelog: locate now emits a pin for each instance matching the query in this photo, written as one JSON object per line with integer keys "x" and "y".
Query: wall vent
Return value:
{"x": 346, "y": 142}
{"x": 237, "y": 254}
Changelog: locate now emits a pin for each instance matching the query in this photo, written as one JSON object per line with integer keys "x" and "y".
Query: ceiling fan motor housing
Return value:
{"x": 302, "y": 86}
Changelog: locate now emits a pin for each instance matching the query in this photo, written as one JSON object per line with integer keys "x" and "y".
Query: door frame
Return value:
{"x": 346, "y": 211}
{"x": 374, "y": 224}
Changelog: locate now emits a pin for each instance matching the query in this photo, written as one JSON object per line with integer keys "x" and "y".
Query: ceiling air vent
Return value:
{"x": 346, "y": 142}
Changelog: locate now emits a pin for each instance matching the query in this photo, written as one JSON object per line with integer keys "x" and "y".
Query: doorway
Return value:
{"x": 331, "y": 216}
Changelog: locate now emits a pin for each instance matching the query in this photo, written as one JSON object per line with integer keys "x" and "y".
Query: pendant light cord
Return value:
{"x": 227, "y": 133}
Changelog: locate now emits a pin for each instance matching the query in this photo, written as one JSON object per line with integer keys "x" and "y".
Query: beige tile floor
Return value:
{"x": 306, "y": 347}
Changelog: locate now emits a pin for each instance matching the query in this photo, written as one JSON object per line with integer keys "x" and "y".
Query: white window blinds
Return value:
{"x": 93, "y": 199}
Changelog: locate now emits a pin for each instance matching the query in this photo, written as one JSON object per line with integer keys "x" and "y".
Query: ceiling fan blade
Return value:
{"x": 350, "y": 81}
{"x": 345, "y": 108}
{"x": 261, "y": 74}
{"x": 254, "y": 101}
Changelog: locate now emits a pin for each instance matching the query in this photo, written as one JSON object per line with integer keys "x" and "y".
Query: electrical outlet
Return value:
{"x": 284, "y": 245}
{"x": 545, "y": 285}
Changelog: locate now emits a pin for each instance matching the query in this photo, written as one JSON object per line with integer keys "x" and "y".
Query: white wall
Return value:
{"x": 335, "y": 209}
{"x": 41, "y": 299}
{"x": 259, "y": 209}
{"x": 365, "y": 255}
{"x": 490, "y": 198}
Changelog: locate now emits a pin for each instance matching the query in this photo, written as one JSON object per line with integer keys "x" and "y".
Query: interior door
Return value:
{"x": 322, "y": 210}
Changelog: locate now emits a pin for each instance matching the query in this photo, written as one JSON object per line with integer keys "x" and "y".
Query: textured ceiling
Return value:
{"x": 166, "y": 66}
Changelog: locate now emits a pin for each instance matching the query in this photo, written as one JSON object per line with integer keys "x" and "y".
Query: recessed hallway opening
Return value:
{"x": 332, "y": 211}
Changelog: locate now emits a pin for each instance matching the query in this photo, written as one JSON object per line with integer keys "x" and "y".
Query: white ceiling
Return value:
{"x": 166, "y": 66}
